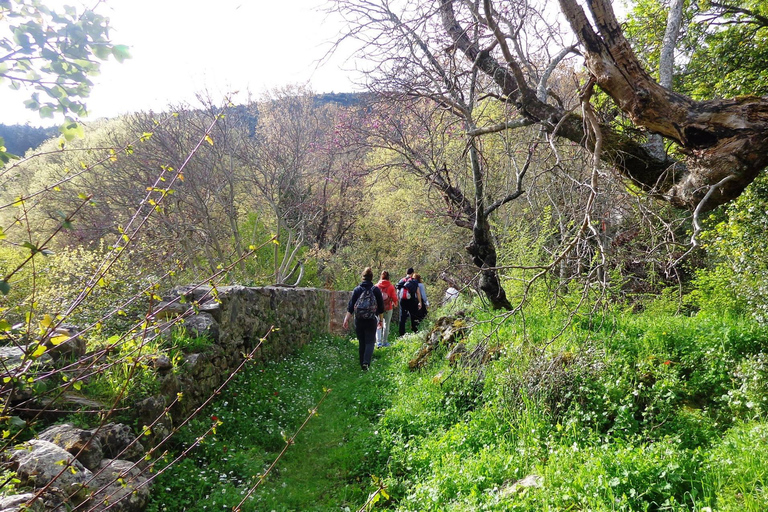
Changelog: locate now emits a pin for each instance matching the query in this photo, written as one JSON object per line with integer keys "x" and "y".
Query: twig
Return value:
{"x": 288, "y": 442}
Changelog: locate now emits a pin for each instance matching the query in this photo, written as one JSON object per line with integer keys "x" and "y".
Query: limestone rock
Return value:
{"x": 12, "y": 357}
{"x": 161, "y": 363}
{"x": 202, "y": 324}
{"x": 17, "y": 503}
{"x": 78, "y": 442}
{"x": 118, "y": 440}
{"x": 119, "y": 486}
{"x": 71, "y": 349}
{"x": 456, "y": 353}
{"x": 38, "y": 463}
{"x": 169, "y": 309}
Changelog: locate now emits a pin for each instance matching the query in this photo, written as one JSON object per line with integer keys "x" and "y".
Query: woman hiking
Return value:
{"x": 367, "y": 305}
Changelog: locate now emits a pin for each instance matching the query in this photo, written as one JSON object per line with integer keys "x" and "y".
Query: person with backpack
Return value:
{"x": 367, "y": 306}
{"x": 421, "y": 314}
{"x": 410, "y": 301}
{"x": 389, "y": 295}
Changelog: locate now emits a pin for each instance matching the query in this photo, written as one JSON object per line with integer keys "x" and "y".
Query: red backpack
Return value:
{"x": 407, "y": 287}
{"x": 389, "y": 302}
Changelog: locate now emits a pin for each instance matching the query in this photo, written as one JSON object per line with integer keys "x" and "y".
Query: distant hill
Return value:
{"x": 345, "y": 99}
{"x": 21, "y": 137}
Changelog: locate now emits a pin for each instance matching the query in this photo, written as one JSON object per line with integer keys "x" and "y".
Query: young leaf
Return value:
{"x": 57, "y": 340}
{"x": 40, "y": 350}
{"x": 120, "y": 52}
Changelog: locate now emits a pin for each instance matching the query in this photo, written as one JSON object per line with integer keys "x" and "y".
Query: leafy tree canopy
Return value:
{"x": 723, "y": 47}
{"x": 53, "y": 54}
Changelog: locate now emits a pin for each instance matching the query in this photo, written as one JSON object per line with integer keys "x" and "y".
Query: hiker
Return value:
{"x": 410, "y": 301}
{"x": 367, "y": 305}
{"x": 422, "y": 312}
{"x": 450, "y": 294}
{"x": 389, "y": 295}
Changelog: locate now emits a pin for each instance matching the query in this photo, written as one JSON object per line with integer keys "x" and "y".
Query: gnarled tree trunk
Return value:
{"x": 724, "y": 143}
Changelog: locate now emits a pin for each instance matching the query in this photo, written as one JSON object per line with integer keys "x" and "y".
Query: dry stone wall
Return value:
{"x": 236, "y": 318}
{"x": 106, "y": 463}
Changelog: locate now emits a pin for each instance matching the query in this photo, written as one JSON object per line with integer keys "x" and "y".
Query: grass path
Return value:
{"x": 327, "y": 468}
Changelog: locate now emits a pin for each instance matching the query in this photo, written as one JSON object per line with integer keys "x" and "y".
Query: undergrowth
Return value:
{"x": 633, "y": 412}
{"x": 329, "y": 466}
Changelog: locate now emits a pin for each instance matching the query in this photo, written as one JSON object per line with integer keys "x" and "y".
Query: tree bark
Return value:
{"x": 482, "y": 248}
{"x": 720, "y": 138}
{"x": 724, "y": 143}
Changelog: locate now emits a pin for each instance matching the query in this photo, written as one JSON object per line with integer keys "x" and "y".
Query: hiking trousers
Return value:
{"x": 409, "y": 309}
{"x": 366, "y": 338}
{"x": 382, "y": 333}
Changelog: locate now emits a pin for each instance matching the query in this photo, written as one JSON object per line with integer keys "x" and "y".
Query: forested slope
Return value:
{"x": 606, "y": 233}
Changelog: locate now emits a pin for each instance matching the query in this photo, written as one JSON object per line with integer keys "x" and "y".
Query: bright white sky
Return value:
{"x": 181, "y": 47}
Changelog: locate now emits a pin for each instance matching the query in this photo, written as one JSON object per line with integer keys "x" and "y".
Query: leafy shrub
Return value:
{"x": 182, "y": 340}
{"x": 59, "y": 279}
{"x": 739, "y": 277}
{"x": 553, "y": 382}
{"x": 748, "y": 397}
{"x": 127, "y": 374}
{"x": 735, "y": 472}
{"x": 619, "y": 475}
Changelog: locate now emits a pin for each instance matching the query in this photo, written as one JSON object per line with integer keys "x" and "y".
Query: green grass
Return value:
{"x": 329, "y": 466}
{"x": 632, "y": 412}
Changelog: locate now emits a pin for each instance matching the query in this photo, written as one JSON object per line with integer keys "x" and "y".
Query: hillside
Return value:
{"x": 644, "y": 412}
{"x": 19, "y": 138}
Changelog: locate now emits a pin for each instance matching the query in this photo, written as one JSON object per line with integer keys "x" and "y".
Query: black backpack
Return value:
{"x": 365, "y": 307}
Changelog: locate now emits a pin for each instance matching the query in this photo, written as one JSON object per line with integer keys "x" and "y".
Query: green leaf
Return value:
{"x": 30, "y": 246}
{"x": 71, "y": 130}
{"x": 57, "y": 340}
{"x": 40, "y": 350}
{"x": 120, "y": 52}
{"x": 101, "y": 51}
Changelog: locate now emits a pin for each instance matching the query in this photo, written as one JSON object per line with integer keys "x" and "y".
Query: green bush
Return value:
{"x": 735, "y": 471}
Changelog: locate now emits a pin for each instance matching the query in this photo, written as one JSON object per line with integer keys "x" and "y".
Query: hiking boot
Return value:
{"x": 364, "y": 367}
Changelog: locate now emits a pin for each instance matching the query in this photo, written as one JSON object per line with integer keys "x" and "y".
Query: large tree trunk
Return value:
{"x": 724, "y": 142}
{"x": 483, "y": 253}
{"x": 482, "y": 249}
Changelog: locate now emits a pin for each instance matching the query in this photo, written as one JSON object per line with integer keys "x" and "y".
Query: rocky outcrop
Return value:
{"x": 66, "y": 465}
{"x": 119, "y": 486}
{"x": 447, "y": 332}
{"x": 102, "y": 467}
{"x": 19, "y": 502}
{"x": 79, "y": 443}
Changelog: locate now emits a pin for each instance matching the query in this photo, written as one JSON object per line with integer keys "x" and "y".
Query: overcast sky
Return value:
{"x": 181, "y": 47}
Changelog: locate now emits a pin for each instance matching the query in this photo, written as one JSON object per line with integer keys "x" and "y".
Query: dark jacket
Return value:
{"x": 412, "y": 285}
{"x": 359, "y": 290}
